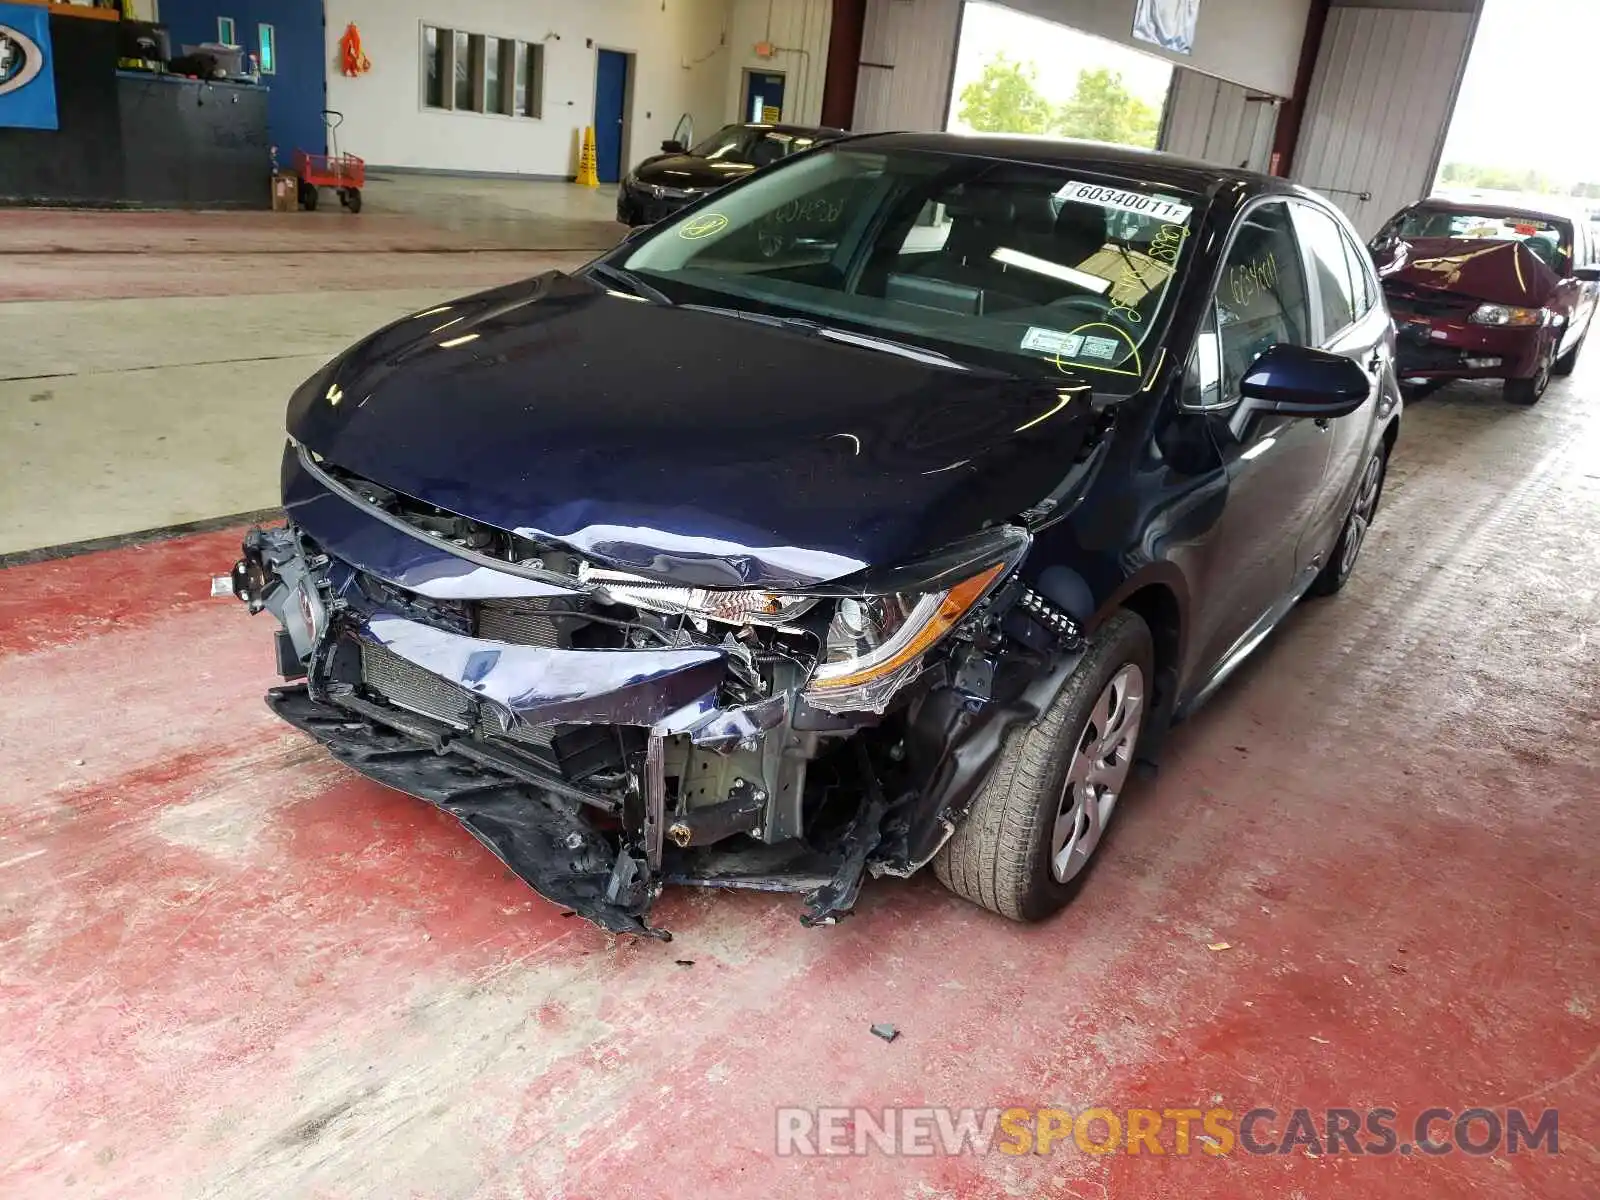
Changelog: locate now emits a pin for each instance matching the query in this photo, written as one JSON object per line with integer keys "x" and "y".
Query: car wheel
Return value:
{"x": 308, "y": 197}
{"x": 1353, "y": 536}
{"x": 1528, "y": 391}
{"x": 1568, "y": 362}
{"x": 1029, "y": 839}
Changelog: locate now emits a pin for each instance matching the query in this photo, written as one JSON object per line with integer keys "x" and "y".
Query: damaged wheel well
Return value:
{"x": 1157, "y": 604}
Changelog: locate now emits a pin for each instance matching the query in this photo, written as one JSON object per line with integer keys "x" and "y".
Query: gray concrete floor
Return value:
{"x": 143, "y": 382}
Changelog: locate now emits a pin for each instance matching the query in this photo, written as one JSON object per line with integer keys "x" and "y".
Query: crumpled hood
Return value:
{"x": 1494, "y": 271}
{"x": 685, "y": 445}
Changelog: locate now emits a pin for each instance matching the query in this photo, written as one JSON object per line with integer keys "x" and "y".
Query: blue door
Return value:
{"x": 610, "y": 93}
{"x": 763, "y": 97}
{"x": 298, "y": 84}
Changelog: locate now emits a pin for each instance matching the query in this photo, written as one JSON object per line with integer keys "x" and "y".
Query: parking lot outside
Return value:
{"x": 1363, "y": 878}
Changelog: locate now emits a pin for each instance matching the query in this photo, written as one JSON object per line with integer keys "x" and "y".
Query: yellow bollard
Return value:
{"x": 587, "y": 175}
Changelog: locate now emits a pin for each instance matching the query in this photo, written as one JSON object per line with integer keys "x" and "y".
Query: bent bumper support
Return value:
{"x": 533, "y": 830}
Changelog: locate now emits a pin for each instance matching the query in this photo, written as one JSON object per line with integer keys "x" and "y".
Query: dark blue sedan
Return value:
{"x": 879, "y": 509}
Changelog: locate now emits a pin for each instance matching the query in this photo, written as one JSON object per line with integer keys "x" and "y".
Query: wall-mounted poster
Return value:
{"x": 27, "y": 80}
{"x": 1168, "y": 23}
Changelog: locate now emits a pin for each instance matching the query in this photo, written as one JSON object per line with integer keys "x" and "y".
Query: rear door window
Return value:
{"x": 1324, "y": 241}
{"x": 1261, "y": 296}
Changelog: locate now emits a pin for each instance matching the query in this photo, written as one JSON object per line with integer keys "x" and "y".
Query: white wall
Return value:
{"x": 682, "y": 65}
{"x": 800, "y": 29}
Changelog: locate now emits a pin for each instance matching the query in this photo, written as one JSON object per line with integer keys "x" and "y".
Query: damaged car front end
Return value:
{"x": 605, "y": 733}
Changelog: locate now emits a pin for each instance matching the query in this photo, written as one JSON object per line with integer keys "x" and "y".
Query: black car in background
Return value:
{"x": 660, "y": 186}
{"x": 742, "y": 559}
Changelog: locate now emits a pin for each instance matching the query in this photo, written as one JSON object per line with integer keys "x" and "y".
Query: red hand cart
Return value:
{"x": 344, "y": 172}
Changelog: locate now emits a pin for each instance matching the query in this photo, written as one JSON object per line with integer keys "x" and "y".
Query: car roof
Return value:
{"x": 1442, "y": 204}
{"x": 1150, "y": 166}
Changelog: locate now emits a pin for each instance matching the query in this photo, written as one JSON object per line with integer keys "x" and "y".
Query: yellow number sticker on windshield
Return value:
{"x": 703, "y": 226}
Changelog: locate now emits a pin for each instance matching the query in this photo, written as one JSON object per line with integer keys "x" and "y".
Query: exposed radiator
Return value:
{"x": 520, "y": 624}
{"x": 408, "y": 686}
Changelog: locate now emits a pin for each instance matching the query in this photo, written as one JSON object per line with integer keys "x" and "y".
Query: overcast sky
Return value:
{"x": 1530, "y": 94}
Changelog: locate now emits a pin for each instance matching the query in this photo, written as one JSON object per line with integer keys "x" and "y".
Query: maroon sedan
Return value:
{"x": 1485, "y": 292}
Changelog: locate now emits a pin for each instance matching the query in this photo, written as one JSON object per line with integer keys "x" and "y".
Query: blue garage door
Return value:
{"x": 296, "y": 46}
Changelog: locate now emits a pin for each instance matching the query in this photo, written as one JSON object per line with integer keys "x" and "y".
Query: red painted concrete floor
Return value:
{"x": 232, "y": 968}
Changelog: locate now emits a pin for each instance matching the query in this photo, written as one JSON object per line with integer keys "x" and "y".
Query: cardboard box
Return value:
{"x": 285, "y": 191}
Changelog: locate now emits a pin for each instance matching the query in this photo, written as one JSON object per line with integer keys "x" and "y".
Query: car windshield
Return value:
{"x": 1545, "y": 238}
{"x": 1018, "y": 266}
{"x": 750, "y": 143}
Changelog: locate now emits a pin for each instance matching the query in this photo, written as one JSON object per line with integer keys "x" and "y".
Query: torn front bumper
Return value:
{"x": 557, "y": 759}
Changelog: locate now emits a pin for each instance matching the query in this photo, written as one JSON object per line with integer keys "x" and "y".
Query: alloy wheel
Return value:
{"x": 1098, "y": 770}
{"x": 1361, "y": 515}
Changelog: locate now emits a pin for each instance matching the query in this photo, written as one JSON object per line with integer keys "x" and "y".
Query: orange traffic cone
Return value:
{"x": 588, "y": 176}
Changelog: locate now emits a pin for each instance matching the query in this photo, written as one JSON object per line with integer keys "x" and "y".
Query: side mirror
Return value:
{"x": 1296, "y": 381}
{"x": 672, "y": 146}
{"x": 1587, "y": 274}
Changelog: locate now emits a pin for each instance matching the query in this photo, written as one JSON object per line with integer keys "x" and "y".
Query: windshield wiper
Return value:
{"x": 867, "y": 341}
{"x": 630, "y": 281}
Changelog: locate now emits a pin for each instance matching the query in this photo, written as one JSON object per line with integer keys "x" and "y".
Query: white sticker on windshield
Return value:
{"x": 1125, "y": 201}
{"x": 1052, "y": 341}
{"x": 1099, "y": 347}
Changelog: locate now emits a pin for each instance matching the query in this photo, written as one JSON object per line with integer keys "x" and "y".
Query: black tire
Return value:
{"x": 1342, "y": 562}
{"x": 1529, "y": 391}
{"x": 352, "y": 199}
{"x": 308, "y": 197}
{"x": 1000, "y": 854}
{"x": 1568, "y": 362}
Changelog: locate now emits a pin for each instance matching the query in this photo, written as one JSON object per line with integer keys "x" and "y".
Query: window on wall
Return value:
{"x": 481, "y": 73}
{"x": 269, "y": 49}
{"x": 226, "y": 34}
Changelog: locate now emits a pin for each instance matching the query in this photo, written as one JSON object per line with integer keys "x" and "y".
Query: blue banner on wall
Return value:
{"x": 27, "y": 71}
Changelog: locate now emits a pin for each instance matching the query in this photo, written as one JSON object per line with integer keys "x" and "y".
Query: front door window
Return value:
{"x": 1261, "y": 298}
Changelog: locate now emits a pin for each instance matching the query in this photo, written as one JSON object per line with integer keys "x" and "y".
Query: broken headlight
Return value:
{"x": 875, "y": 644}
{"x": 742, "y": 607}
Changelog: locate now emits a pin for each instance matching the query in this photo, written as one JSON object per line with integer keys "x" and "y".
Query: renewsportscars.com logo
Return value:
{"x": 1213, "y": 1132}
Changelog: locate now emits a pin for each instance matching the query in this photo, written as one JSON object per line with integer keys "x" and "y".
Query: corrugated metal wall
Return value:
{"x": 1380, "y": 103}
{"x": 1218, "y": 122}
{"x": 908, "y": 52}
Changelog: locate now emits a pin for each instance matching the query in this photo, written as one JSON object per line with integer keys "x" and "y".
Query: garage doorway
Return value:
{"x": 763, "y": 97}
{"x": 1017, "y": 73}
{"x": 612, "y": 76}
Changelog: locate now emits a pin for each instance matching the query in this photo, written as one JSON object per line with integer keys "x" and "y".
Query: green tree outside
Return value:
{"x": 1005, "y": 98}
{"x": 1103, "y": 110}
